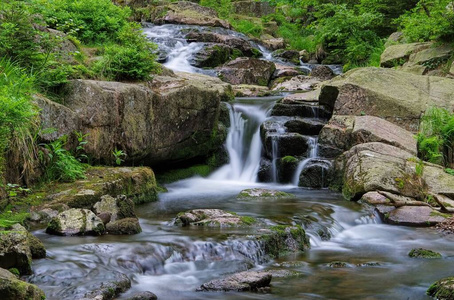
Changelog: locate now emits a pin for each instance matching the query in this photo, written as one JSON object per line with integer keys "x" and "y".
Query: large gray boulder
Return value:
{"x": 395, "y": 96}
{"x": 397, "y": 55}
{"x": 247, "y": 71}
{"x": 343, "y": 132}
{"x": 76, "y": 222}
{"x": 12, "y": 288}
{"x": 186, "y": 12}
{"x": 239, "y": 282}
{"x": 129, "y": 117}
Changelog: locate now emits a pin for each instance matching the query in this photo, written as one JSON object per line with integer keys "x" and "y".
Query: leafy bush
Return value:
{"x": 247, "y": 27}
{"x": 429, "y": 20}
{"x": 436, "y": 136}
{"x": 223, "y": 7}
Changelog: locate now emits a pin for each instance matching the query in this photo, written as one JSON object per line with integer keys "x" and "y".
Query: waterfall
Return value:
{"x": 243, "y": 143}
{"x": 275, "y": 153}
{"x": 312, "y": 153}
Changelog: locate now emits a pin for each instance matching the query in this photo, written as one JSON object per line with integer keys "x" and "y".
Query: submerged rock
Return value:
{"x": 240, "y": 282}
{"x": 421, "y": 216}
{"x": 213, "y": 218}
{"x": 110, "y": 289}
{"x": 424, "y": 253}
{"x": 12, "y": 288}
{"x": 258, "y": 193}
{"x": 442, "y": 289}
{"x": 143, "y": 296}
{"x": 76, "y": 222}
{"x": 287, "y": 55}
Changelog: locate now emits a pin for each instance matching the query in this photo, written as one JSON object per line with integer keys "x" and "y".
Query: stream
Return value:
{"x": 173, "y": 261}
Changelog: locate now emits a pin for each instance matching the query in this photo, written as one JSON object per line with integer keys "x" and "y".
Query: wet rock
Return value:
{"x": 368, "y": 264}
{"x": 287, "y": 55}
{"x": 124, "y": 226}
{"x": 442, "y": 289}
{"x": 186, "y": 12}
{"x": 119, "y": 115}
{"x": 76, "y": 222}
{"x": 12, "y": 288}
{"x": 212, "y": 218}
{"x": 315, "y": 174}
{"x": 286, "y": 168}
{"x": 395, "y": 96}
{"x": 237, "y": 46}
{"x": 298, "y": 98}
{"x": 338, "y": 264}
{"x": 15, "y": 249}
{"x": 36, "y": 247}
{"x": 117, "y": 208}
{"x": 111, "y": 289}
{"x": 240, "y": 282}
{"x": 284, "y": 273}
{"x": 264, "y": 174}
{"x": 144, "y": 296}
{"x": 419, "y": 216}
{"x": 247, "y": 71}
{"x": 296, "y": 83}
{"x": 300, "y": 110}
{"x": 274, "y": 43}
{"x": 423, "y": 253}
{"x": 288, "y": 144}
{"x": 343, "y": 132}
{"x": 282, "y": 239}
{"x": 212, "y": 56}
{"x": 322, "y": 72}
{"x": 258, "y": 193}
{"x": 245, "y": 90}
{"x": 305, "y": 126}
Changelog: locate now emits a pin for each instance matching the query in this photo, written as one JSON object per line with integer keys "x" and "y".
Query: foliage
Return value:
{"x": 436, "y": 136}
{"x": 118, "y": 156}
{"x": 60, "y": 164}
{"x": 429, "y": 20}
{"x": 223, "y": 7}
{"x": 247, "y": 27}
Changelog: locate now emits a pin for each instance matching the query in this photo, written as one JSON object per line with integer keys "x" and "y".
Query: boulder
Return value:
{"x": 287, "y": 55}
{"x": 315, "y": 174}
{"x": 15, "y": 249}
{"x": 430, "y": 58}
{"x": 212, "y": 218}
{"x": 285, "y": 71}
{"x": 286, "y": 144}
{"x": 296, "y": 83}
{"x": 239, "y": 282}
{"x": 287, "y": 166}
{"x": 143, "y": 296}
{"x": 265, "y": 170}
{"x": 418, "y": 216}
{"x": 322, "y": 72}
{"x": 212, "y": 55}
{"x": 395, "y": 96}
{"x": 397, "y": 55}
{"x": 273, "y": 43}
{"x": 245, "y": 90}
{"x": 283, "y": 239}
{"x": 258, "y": 193}
{"x": 186, "y": 12}
{"x": 247, "y": 71}
{"x": 76, "y": 222}
{"x": 124, "y": 226}
{"x": 110, "y": 289}
{"x": 117, "y": 208}
{"x": 306, "y": 97}
{"x": 343, "y": 132}
{"x": 304, "y": 126}
{"x": 443, "y": 289}
{"x": 237, "y": 46}
{"x": 423, "y": 253}
{"x": 304, "y": 110}
{"x": 124, "y": 116}
{"x": 12, "y": 288}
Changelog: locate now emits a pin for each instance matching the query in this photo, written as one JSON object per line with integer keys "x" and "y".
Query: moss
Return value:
{"x": 247, "y": 220}
{"x": 337, "y": 264}
{"x": 54, "y": 226}
{"x": 289, "y": 160}
{"x": 423, "y": 253}
{"x": 15, "y": 271}
{"x": 283, "y": 239}
{"x": 179, "y": 174}
{"x": 439, "y": 214}
{"x": 442, "y": 289}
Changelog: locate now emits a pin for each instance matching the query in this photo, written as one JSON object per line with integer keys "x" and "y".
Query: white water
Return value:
{"x": 244, "y": 151}
{"x": 313, "y": 153}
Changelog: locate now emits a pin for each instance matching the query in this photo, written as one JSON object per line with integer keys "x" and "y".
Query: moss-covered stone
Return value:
{"x": 124, "y": 226}
{"x": 424, "y": 253}
{"x": 12, "y": 288}
{"x": 258, "y": 193}
{"x": 76, "y": 222}
{"x": 213, "y": 218}
{"x": 442, "y": 289}
{"x": 284, "y": 239}
{"x": 15, "y": 249}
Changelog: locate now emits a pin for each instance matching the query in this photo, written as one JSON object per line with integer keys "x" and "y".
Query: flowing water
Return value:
{"x": 173, "y": 261}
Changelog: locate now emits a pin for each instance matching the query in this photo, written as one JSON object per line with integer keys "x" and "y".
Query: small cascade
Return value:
{"x": 312, "y": 153}
{"x": 243, "y": 143}
{"x": 275, "y": 152}
{"x": 179, "y": 58}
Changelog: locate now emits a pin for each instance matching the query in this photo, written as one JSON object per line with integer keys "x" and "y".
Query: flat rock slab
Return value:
{"x": 258, "y": 193}
{"x": 240, "y": 282}
{"x": 420, "y": 216}
{"x": 212, "y": 218}
{"x": 311, "y": 96}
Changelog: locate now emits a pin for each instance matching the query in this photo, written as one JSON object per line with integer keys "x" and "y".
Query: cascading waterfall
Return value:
{"x": 243, "y": 143}
{"x": 275, "y": 153}
{"x": 312, "y": 153}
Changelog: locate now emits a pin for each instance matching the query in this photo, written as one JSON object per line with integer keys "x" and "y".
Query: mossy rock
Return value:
{"x": 337, "y": 264}
{"x": 12, "y": 288}
{"x": 15, "y": 249}
{"x": 442, "y": 289}
{"x": 76, "y": 222}
{"x": 424, "y": 253}
{"x": 213, "y": 218}
{"x": 258, "y": 193}
{"x": 124, "y": 226}
{"x": 283, "y": 239}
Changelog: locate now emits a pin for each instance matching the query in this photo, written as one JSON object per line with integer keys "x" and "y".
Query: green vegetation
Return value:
{"x": 351, "y": 32}
{"x": 436, "y": 137}
{"x": 423, "y": 253}
{"x": 179, "y": 174}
